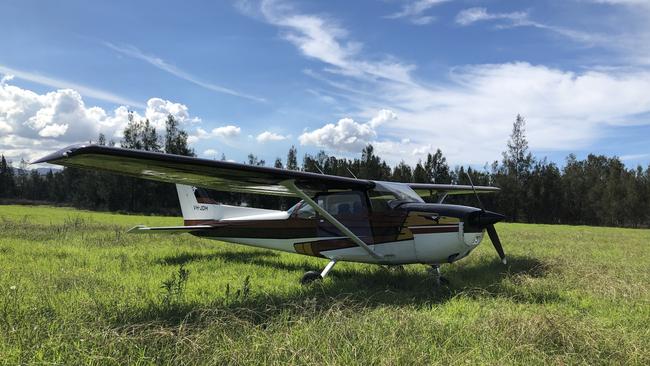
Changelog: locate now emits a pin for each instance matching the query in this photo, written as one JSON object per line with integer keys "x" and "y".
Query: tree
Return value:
{"x": 278, "y": 163}
{"x": 175, "y": 138}
{"x": 402, "y": 173}
{"x": 292, "y": 159}
{"x": 419, "y": 174}
{"x": 7, "y": 183}
{"x": 371, "y": 165}
{"x": 436, "y": 168}
{"x": 254, "y": 160}
{"x": 517, "y": 161}
{"x": 140, "y": 135}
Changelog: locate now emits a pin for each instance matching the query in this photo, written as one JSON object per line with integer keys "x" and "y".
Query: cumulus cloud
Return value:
{"x": 382, "y": 117}
{"x": 267, "y": 136}
{"x": 226, "y": 131}
{"x": 32, "y": 123}
{"x": 223, "y": 132}
{"x": 6, "y": 78}
{"x": 346, "y": 134}
{"x": 210, "y": 152}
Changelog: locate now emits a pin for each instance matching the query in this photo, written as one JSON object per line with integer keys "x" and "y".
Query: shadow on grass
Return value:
{"x": 262, "y": 258}
{"x": 350, "y": 289}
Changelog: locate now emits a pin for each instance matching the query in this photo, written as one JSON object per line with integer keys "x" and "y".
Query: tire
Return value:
{"x": 310, "y": 277}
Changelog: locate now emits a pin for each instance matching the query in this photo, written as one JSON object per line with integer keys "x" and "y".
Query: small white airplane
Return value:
{"x": 339, "y": 218}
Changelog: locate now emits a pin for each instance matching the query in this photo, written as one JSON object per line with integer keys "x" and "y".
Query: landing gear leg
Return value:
{"x": 439, "y": 280}
{"x": 312, "y": 276}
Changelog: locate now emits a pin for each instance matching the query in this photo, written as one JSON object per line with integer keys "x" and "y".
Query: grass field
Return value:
{"x": 75, "y": 289}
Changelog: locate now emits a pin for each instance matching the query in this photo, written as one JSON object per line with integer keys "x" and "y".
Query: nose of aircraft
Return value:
{"x": 486, "y": 218}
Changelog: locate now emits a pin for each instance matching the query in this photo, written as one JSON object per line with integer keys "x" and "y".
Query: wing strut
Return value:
{"x": 291, "y": 186}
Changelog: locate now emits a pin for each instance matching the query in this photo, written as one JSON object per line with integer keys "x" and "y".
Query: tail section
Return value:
{"x": 198, "y": 207}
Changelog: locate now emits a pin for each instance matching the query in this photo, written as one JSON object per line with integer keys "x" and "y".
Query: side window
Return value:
{"x": 379, "y": 200}
{"x": 343, "y": 204}
{"x": 305, "y": 211}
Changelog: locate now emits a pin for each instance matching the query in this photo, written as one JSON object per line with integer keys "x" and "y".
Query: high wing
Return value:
{"x": 213, "y": 174}
{"x": 427, "y": 189}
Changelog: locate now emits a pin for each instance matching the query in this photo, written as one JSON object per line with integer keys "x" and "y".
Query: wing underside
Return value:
{"x": 213, "y": 174}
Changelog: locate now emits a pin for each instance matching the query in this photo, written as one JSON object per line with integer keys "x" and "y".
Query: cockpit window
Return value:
{"x": 343, "y": 203}
{"x": 386, "y": 196}
{"x": 302, "y": 210}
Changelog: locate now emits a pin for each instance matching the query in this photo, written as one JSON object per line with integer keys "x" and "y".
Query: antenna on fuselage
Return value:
{"x": 317, "y": 167}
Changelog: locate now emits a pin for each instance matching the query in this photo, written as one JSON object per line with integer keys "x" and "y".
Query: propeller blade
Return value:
{"x": 492, "y": 232}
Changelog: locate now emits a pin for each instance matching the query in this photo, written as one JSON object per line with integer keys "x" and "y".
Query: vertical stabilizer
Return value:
{"x": 193, "y": 207}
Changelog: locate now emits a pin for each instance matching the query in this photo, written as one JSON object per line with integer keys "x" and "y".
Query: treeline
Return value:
{"x": 598, "y": 190}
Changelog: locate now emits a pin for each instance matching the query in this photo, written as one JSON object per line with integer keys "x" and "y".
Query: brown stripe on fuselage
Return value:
{"x": 266, "y": 229}
{"x": 434, "y": 229}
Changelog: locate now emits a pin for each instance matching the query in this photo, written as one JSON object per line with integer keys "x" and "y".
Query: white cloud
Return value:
{"x": 161, "y": 64}
{"x": 634, "y": 156}
{"x": 53, "y": 130}
{"x": 382, "y": 117}
{"x": 624, "y": 2}
{"x": 322, "y": 39}
{"x": 64, "y": 84}
{"x": 6, "y": 78}
{"x": 158, "y": 109}
{"x": 226, "y": 131}
{"x": 346, "y": 134}
{"x": 472, "y": 118}
{"x": 413, "y": 10}
{"x": 267, "y": 136}
{"x": 469, "y": 115}
{"x": 210, "y": 152}
{"x": 33, "y": 124}
{"x": 472, "y": 15}
{"x": 223, "y": 132}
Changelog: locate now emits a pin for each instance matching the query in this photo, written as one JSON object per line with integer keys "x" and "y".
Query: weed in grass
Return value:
{"x": 174, "y": 287}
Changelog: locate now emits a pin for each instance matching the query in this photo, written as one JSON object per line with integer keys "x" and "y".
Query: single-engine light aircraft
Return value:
{"x": 338, "y": 218}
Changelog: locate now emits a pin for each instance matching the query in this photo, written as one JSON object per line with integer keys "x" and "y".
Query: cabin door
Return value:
{"x": 350, "y": 209}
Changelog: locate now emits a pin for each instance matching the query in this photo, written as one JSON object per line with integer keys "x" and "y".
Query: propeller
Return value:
{"x": 487, "y": 220}
{"x": 492, "y": 232}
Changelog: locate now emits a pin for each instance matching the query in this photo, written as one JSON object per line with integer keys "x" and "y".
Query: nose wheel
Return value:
{"x": 312, "y": 276}
{"x": 438, "y": 279}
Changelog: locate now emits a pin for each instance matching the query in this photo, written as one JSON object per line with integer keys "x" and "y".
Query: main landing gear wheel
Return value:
{"x": 310, "y": 277}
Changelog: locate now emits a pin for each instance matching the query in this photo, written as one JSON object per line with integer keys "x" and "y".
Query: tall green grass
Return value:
{"x": 75, "y": 289}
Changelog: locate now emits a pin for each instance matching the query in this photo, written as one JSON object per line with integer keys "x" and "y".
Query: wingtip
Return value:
{"x": 59, "y": 154}
{"x": 504, "y": 261}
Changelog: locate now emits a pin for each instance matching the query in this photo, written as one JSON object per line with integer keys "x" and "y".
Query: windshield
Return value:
{"x": 400, "y": 191}
{"x": 387, "y": 195}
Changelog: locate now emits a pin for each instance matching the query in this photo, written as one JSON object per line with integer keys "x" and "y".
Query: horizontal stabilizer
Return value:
{"x": 141, "y": 229}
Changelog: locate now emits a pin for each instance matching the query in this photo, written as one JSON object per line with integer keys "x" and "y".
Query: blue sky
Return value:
{"x": 260, "y": 76}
